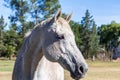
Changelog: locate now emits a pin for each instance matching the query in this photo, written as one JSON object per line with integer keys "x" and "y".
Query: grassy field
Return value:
{"x": 6, "y": 68}
{"x": 97, "y": 70}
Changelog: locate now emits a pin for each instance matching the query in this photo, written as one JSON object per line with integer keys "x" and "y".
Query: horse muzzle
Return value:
{"x": 79, "y": 72}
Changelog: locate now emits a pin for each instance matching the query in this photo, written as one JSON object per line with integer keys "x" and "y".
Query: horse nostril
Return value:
{"x": 81, "y": 69}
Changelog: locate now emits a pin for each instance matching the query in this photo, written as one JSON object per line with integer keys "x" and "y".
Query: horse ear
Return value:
{"x": 57, "y": 15}
{"x": 68, "y": 18}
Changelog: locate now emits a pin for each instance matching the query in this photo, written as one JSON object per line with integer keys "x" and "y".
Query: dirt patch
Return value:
{"x": 5, "y": 76}
{"x": 5, "y": 73}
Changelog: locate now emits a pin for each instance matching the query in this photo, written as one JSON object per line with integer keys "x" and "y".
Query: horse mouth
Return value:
{"x": 76, "y": 75}
{"x": 79, "y": 72}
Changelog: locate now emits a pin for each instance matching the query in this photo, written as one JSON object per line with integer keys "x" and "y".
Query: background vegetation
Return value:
{"x": 89, "y": 37}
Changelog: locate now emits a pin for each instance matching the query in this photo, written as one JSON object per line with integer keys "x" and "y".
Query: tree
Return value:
{"x": 2, "y": 26}
{"x": 10, "y": 50}
{"x": 109, "y": 36}
{"x": 50, "y": 7}
{"x": 43, "y": 9}
{"x": 86, "y": 24}
{"x": 94, "y": 42}
{"x": 20, "y": 9}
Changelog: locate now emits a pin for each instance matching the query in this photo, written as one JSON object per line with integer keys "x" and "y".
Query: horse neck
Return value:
{"x": 31, "y": 52}
{"x": 48, "y": 70}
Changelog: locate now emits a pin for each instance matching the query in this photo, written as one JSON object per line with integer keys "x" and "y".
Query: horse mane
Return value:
{"x": 27, "y": 34}
{"x": 26, "y": 42}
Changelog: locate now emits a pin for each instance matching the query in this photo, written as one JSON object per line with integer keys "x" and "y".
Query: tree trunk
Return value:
{"x": 10, "y": 57}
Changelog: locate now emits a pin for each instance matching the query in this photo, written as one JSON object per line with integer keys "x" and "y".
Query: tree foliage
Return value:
{"x": 2, "y": 26}
{"x": 89, "y": 35}
{"x": 94, "y": 42}
{"x": 42, "y": 9}
{"x": 109, "y": 35}
{"x": 18, "y": 17}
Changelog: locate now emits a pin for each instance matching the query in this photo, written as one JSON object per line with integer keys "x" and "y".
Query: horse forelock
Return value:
{"x": 64, "y": 24}
{"x": 62, "y": 21}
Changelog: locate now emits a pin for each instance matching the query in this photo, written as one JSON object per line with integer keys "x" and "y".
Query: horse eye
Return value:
{"x": 60, "y": 36}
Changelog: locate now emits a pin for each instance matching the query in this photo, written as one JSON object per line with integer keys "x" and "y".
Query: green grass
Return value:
{"x": 98, "y": 70}
{"x": 6, "y": 65}
{"x": 103, "y": 64}
{"x": 103, "y": 71}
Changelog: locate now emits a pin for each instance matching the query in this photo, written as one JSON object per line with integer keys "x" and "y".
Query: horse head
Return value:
{"x": 59, "y": 45}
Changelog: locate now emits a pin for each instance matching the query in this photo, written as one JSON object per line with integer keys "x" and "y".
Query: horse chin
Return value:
{"x": 76, "y": 77}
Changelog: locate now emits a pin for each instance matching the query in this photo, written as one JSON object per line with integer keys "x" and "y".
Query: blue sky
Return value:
{"x": 4, "y": 11}
{"x": 103, "y": 11}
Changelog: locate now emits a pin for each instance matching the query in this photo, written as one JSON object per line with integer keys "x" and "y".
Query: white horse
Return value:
{"x": 48, "y": 49}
